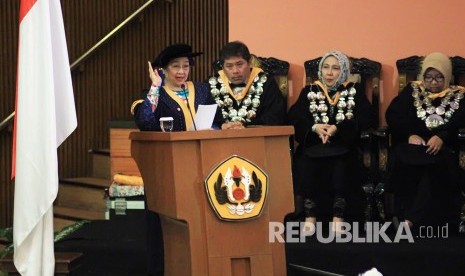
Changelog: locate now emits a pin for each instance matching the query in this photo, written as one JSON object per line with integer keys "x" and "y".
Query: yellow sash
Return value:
{"x": 182, "y": 104}
{"x": 332, "y": 102}
{"x": 255, "y": 71}
{"x": 441, "y": 94}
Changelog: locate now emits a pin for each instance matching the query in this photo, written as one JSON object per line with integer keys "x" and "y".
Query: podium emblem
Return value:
{"x": 237, "y": 189}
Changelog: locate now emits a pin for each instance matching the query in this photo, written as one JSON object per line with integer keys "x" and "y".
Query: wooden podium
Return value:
{"x": 174, "y": 167}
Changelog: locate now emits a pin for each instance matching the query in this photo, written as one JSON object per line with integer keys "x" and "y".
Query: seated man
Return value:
{"x": 246, "y": 94}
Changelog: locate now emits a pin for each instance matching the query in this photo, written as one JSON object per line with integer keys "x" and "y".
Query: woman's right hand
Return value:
{"x": 154, "y": 76}
{"x": 416, "y": 140}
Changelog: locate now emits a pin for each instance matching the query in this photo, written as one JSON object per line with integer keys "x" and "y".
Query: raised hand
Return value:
{"x": 154, "y": 76}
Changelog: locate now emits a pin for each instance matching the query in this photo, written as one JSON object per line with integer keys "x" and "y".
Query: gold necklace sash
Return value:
{"x": 239, "y": 96}
{"x": 441, "y": 94}
{"x": 331, "y": 101}
{"x": 182, "y": 104}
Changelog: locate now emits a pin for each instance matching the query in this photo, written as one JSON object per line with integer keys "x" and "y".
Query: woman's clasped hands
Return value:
{"x": 325, "y": 131}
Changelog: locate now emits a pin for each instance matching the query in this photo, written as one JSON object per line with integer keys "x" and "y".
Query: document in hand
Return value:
{"x": 204, "y": 117}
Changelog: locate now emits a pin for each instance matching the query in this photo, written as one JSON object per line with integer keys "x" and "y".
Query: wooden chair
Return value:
{"x": 367, "y": 73}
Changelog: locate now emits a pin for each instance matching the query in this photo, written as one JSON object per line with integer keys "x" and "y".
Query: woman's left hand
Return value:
{"x": 434, "y": 145}
{"x": 332, "y": 130}
{"x": 154, "y": 76}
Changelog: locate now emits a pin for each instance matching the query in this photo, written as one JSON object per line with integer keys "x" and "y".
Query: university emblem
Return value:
{"x": 237, "y": 189}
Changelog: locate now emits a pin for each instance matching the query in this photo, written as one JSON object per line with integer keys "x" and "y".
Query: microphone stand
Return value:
{"x": 183, "y": 87}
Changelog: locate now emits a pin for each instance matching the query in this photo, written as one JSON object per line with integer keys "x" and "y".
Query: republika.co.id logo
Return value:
{"x": 369, "y": 232}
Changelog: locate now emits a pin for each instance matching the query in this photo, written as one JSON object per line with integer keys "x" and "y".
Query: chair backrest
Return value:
{"x": 364, "y": 71}
{"x": 410, "y": 67}
{"x": 279, "y": 69}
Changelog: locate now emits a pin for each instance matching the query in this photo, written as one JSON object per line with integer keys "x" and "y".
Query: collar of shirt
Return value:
{"x": 232, "y": 85}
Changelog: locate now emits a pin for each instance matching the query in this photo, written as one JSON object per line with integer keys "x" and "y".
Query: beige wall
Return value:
{"x": 382, "y": 30}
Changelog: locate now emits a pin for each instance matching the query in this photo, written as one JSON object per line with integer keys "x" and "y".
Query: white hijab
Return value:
{"x": 344, "y": 65}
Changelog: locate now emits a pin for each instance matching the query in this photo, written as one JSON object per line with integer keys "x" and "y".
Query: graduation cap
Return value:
{"x": 174, "y": 51}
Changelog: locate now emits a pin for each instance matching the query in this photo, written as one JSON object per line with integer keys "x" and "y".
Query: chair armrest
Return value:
{"x": 366, "y": 135}
{"x": 381, "y": 132}
{"x": 461, "y": 134}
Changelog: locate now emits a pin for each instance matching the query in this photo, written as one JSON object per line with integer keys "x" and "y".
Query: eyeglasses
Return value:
{"x": 429, "y": 78}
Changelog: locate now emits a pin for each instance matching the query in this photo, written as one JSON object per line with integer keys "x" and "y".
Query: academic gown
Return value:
{"x": 332, "y": 169}
{"x": 148, "y": 120}
{"x": 272, "y": 108}
{"x": 423, "y": 183}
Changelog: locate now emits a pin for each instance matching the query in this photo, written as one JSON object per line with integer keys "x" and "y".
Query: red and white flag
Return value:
{"x": 45, "y": 117}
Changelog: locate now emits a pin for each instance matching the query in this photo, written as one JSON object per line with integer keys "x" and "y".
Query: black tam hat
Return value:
{"x": 174, "y": 51}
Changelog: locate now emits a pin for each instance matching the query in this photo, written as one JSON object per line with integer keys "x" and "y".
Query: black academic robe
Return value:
{"x": 420, "y": 180}
{"x": 332, "y": 167}
{"x": 272, "y": 108}
{"x": 148, "y": 120}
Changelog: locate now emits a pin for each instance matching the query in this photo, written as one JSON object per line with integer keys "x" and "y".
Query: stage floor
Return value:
{"x": 423, "y": 257}
{"x": 117, "y": 247}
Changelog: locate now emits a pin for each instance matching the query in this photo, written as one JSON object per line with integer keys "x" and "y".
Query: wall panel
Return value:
{"x": 107, "y": 82}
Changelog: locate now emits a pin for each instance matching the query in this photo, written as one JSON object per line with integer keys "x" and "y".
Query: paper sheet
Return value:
{"x": 204, "y": 117}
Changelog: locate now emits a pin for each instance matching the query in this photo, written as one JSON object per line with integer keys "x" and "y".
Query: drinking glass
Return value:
{"x": 166, "y": 124}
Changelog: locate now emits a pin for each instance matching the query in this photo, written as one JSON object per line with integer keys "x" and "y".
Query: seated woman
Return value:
{"x": 177, "y": 98}
{"x": 328, "y": 119}
{"x": 424, "y": 120}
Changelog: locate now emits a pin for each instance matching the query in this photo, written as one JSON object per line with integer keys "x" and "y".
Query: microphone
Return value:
{"x": 183, "y": 87}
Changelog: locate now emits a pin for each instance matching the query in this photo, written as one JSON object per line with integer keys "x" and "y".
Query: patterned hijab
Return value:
{"x": 343, "y": 63}
{"x": 440, "y": 62}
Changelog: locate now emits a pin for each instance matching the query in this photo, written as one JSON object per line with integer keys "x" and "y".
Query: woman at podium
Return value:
{"x": 170, "y": 94}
